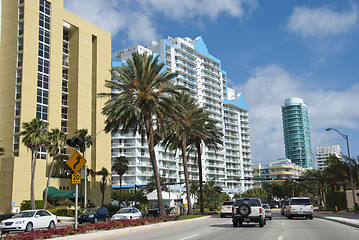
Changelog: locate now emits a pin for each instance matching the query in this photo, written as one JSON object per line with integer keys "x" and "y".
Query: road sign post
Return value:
{"x": 76, "y": 162}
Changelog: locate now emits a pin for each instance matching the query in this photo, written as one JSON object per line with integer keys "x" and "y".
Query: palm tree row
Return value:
{"x": 144, "y": 100}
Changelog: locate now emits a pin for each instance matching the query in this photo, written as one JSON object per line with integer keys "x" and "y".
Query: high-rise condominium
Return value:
{"x": 202, "y": 74}
{"x": 296, "y": 132}
{"x": 52, "y": 65}
{"x": 324, "y": 152}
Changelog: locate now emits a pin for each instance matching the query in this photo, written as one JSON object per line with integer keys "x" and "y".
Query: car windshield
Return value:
{"x": 125, "y": 210}
{"x": 265, "y": 206}
{"x": 300, "y": 202}
{"x": 28, "y": 214}
{"x": 227, "y": 203}
{"x": 250, "y": 202}
{"x": 88, "y": 211}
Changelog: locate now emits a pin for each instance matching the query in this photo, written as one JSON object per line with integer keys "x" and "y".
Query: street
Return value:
{"x": 279, "y": 228}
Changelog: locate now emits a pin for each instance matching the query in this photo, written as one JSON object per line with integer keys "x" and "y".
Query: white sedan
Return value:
{"x": 28, "y": 220}
{"x": 127, "y": 213}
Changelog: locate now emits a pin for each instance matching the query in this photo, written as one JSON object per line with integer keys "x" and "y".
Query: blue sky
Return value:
{"x": 271, "y": 50}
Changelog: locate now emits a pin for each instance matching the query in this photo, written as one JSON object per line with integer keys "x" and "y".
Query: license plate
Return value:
{"x": 246, "y": 219}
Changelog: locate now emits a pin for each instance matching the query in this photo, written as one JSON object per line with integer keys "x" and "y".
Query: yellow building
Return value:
{"x": 280, "y": 170}
{"x": 52, "y": 65}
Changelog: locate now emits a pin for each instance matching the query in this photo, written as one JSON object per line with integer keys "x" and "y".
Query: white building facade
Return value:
{"x": 202, "y": 74}
{"x": 324, "y": 152}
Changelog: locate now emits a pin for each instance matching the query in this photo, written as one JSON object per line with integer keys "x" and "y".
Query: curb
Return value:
{"x": 338, "y": 220}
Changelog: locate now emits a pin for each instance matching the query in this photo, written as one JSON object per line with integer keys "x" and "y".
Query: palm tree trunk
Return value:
{"x": 103, "y": 192}
{"x": 32, "y": 187}
{"x": 48, "y": 182}
{"x": 185, "y": 170}
{"x": 150, "y": 140}
{"x": 119, "y": 200}
{"x": 199, "y": 159}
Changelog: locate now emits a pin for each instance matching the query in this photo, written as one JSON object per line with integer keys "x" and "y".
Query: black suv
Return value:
{"x": 154, "y": 211}
{"x": 248, "y": 210}
{"x": 93, "y": 215}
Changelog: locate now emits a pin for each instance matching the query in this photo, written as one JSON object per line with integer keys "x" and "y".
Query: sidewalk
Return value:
{"x": 348, "y": 218}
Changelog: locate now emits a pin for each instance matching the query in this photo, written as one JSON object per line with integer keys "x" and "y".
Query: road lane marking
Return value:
{"x": 280, "y": 238}
{"x": 282, "y": 224}
{"x": 146, "y": 230}
{"x": 189, "y": 237}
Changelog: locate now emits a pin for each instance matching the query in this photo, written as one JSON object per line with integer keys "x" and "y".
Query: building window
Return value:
{"x": 19, "y": 60}
{"x": 21, "y": 13}
{"x": 21, "y": 2}
{"x": 18, "y": 92}
{"x": 17, "y": 108}
{"x": 16, "y": 142}
{"x": 20, "y": 44}
{"x": 17, "y": 125}
{"x": 20, "y": 28}
{"x": 18, "y": 75}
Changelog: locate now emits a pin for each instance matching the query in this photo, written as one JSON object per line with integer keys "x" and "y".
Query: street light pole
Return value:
{"x": 350, "y": 166}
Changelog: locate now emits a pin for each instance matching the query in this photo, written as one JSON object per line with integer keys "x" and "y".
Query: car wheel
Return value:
{"x": 244, "y": 210}
{"x": 289, "y": 216}
{"x": 261, "y": 222}
{"x": 270, "y": 218}
{"x": 311, "y": 217}
{"x": 264, "y": 222}
{"x": 28, "y": 227}
{"x": 80, "y": 222}
{"x": 221, "y": 215}
{"x": 52, "y": 225}
{"x": 240, "y": 223}
{"x": 235, "y": 223}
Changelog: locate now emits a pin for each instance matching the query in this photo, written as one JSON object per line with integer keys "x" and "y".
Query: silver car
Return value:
{"x": 268, "y": 212}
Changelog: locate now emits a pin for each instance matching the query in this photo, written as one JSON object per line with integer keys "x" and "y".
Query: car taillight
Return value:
{"x": 232, "y": 210}
{"x": 260, "y": 210}
{"x": 290, "y": 207}
{"x": 311, "y": 207}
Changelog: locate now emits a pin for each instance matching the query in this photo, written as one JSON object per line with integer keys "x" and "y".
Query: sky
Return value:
{"x": 271, "y": 50}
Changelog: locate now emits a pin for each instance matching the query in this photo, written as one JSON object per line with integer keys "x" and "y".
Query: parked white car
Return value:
{"x": 28, "y": 220}
{"x": 127, "y": 213}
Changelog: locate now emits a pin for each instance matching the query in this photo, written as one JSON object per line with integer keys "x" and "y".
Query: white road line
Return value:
{"x": 282, "y": 224}
{"x": 280, "y": 238}
{"x": 189, "y": 237}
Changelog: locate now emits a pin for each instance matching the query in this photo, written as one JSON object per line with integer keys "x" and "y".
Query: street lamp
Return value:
{"x": 350, "y": 166}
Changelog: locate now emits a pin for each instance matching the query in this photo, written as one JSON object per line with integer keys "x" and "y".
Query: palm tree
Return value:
{"x": 211, "y": 136}
{"x": 140, "y": 96}
{"x": 55, "y": 144}
{"x": 104, "y": 175}
{"x": 151, "y": 184}
{"x": 34, "y": 138}
{"x": 120, "y": 167}
{"x": 185, "y": 121}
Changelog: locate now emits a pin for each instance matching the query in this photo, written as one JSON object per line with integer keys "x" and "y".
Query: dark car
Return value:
{"x": 94, "y": 215}
{"x": 154, "y": 211}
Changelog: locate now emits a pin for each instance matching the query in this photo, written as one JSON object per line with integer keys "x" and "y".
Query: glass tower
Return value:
{"x": 296, "y": 132}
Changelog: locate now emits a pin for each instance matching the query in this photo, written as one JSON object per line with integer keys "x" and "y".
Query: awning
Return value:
{"x": 56, "y": 193}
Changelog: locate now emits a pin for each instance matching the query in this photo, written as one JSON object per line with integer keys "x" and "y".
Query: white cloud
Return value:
{"x": 136, "y": 18}
{"x": 265, "y": 92}
{"x": 188, "y": 9}
{"x": 321, "y": 21}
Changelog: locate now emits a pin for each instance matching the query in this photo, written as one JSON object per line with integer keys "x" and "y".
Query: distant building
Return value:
{"x": 206, "y": 81}
{"x": 296, "y": 132}
{"x": 324, "y": 152}
{"x": 282, "y": 169}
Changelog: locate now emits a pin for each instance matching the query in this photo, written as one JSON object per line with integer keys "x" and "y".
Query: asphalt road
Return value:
{"x": 279, "y": 228}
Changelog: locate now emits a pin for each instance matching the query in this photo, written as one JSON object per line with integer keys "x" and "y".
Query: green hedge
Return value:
{"x": 340, "y": 201}
{"x": 63, "y": 212}
{"x": 26, "y": 204}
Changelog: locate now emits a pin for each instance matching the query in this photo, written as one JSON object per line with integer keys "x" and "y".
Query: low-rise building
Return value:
{"x": 280, "y": 170}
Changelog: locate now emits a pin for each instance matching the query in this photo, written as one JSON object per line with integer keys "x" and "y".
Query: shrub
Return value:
{"x": 26, "y": 204}
{"x": 63, "y": 212}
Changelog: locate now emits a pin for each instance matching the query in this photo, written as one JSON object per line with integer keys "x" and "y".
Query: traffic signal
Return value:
{"x": 76, "y": 143}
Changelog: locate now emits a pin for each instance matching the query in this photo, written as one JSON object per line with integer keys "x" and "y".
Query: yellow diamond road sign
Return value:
{"x": 76, "y": 178}
{"x": 76, "y": 162}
